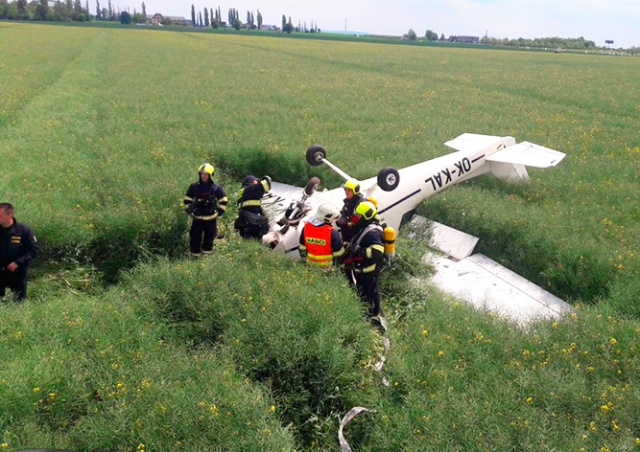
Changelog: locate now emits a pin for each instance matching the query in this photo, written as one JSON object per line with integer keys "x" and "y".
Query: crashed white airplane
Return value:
{"x": 399, "y": 192}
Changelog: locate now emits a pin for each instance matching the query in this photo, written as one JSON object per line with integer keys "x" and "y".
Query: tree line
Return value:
{"x": 75, "y": 10}
{"x": 579, "y": 44}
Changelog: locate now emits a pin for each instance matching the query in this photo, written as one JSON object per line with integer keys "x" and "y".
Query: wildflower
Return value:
{"x": 272, "y": 408}
{"x": 425, "y": 333}
{"x": 440, "y": 353}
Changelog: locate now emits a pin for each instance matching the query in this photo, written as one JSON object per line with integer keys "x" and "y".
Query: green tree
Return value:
{"x": 259, "y": 20}
{"x": 12, "y": 12}
{"x": 193, "y": 15}
{"x": 144, "y": 10}
{"x": 206, "y": 17}
{"x": 431, "y": 35}
{"x": 125, "y": 18}
{"x": 42, "y": 10}
{"x": 288, "y": 27}
{"x": 412, "y": 35}
{"x": 284, "y": 22}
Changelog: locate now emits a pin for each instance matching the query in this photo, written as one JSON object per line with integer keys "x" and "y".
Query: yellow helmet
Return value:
{"x": 206, "y": 168}
{"x": 352, "y": 185}
{"x": 367, "y": 210}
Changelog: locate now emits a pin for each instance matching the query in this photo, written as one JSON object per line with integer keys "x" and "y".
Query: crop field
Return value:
{"x": 126, "y": 345}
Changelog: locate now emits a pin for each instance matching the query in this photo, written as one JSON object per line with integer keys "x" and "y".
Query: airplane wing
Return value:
{"x": 527, "y": 154}
{"x": 482, "y": 282}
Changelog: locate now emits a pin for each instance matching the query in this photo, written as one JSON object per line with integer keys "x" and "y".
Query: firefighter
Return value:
{"x": 18, "y": 247}
{"x": 346, "y": 222}
{"x": 205, "y": 201}
{"x": 251, "y": 221}
{"x": 365, "y": 257}
{"x": 320, "y": 243}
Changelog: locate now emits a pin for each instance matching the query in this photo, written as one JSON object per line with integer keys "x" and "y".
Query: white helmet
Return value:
{"x": 327, "y": 213}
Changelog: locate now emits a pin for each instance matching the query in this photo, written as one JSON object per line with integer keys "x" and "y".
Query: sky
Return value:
{"x": 595, "y": 20}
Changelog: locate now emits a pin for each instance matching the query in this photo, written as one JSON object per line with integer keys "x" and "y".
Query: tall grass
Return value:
{"x": 102, "y": 130}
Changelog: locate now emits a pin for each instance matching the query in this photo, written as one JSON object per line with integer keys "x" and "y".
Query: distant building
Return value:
{"x": 465, "y": 39}
{"x": 179, "y": 20}
{"x": 269, "y": 27}
{"x": 156, "y": 19}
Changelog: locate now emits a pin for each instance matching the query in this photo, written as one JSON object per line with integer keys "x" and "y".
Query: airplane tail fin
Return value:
{"x": 510, "y": 163}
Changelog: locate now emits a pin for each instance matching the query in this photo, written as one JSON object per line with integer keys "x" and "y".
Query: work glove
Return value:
{"x": 268, "y": 180}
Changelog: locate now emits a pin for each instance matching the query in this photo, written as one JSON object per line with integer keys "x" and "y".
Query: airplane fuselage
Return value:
{"x": 406, "y": 188}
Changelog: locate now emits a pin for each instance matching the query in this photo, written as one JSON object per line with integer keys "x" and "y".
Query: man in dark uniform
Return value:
{"x": 18, "y": 247}
{"x": 346, "y": 221}
{"x": 366, "y": 255}
{"x": 251, "y": 221}
{"x": 205, "y": 202}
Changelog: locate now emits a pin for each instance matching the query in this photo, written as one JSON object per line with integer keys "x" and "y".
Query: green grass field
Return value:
{"x": 124, "y": 345}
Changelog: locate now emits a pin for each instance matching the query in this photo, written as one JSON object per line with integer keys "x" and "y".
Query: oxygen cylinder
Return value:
{"x": 389, "y": 239}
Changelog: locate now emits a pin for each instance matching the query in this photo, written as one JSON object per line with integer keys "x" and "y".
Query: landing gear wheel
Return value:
{"x": 388, "y": 178}
{"x": 311, "y": 186}
{"x": 315, "y": 155}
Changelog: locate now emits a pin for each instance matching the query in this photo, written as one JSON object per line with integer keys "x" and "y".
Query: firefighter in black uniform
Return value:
{"x": 366, "y": 255}
{"x": 205, "y": 202}
{"x": 346, "y": 221}
{"x": 18, "y": 247}
{"x": 251, "y": 221}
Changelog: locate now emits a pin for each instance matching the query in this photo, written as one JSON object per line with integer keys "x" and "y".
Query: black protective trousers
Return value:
{"x": 367, "y": 287}
{"x": 16, "y": 281}
{"x": 202, "y": 235}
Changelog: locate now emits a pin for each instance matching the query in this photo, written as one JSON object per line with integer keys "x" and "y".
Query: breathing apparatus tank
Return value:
{"x": 389, "y": 239}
